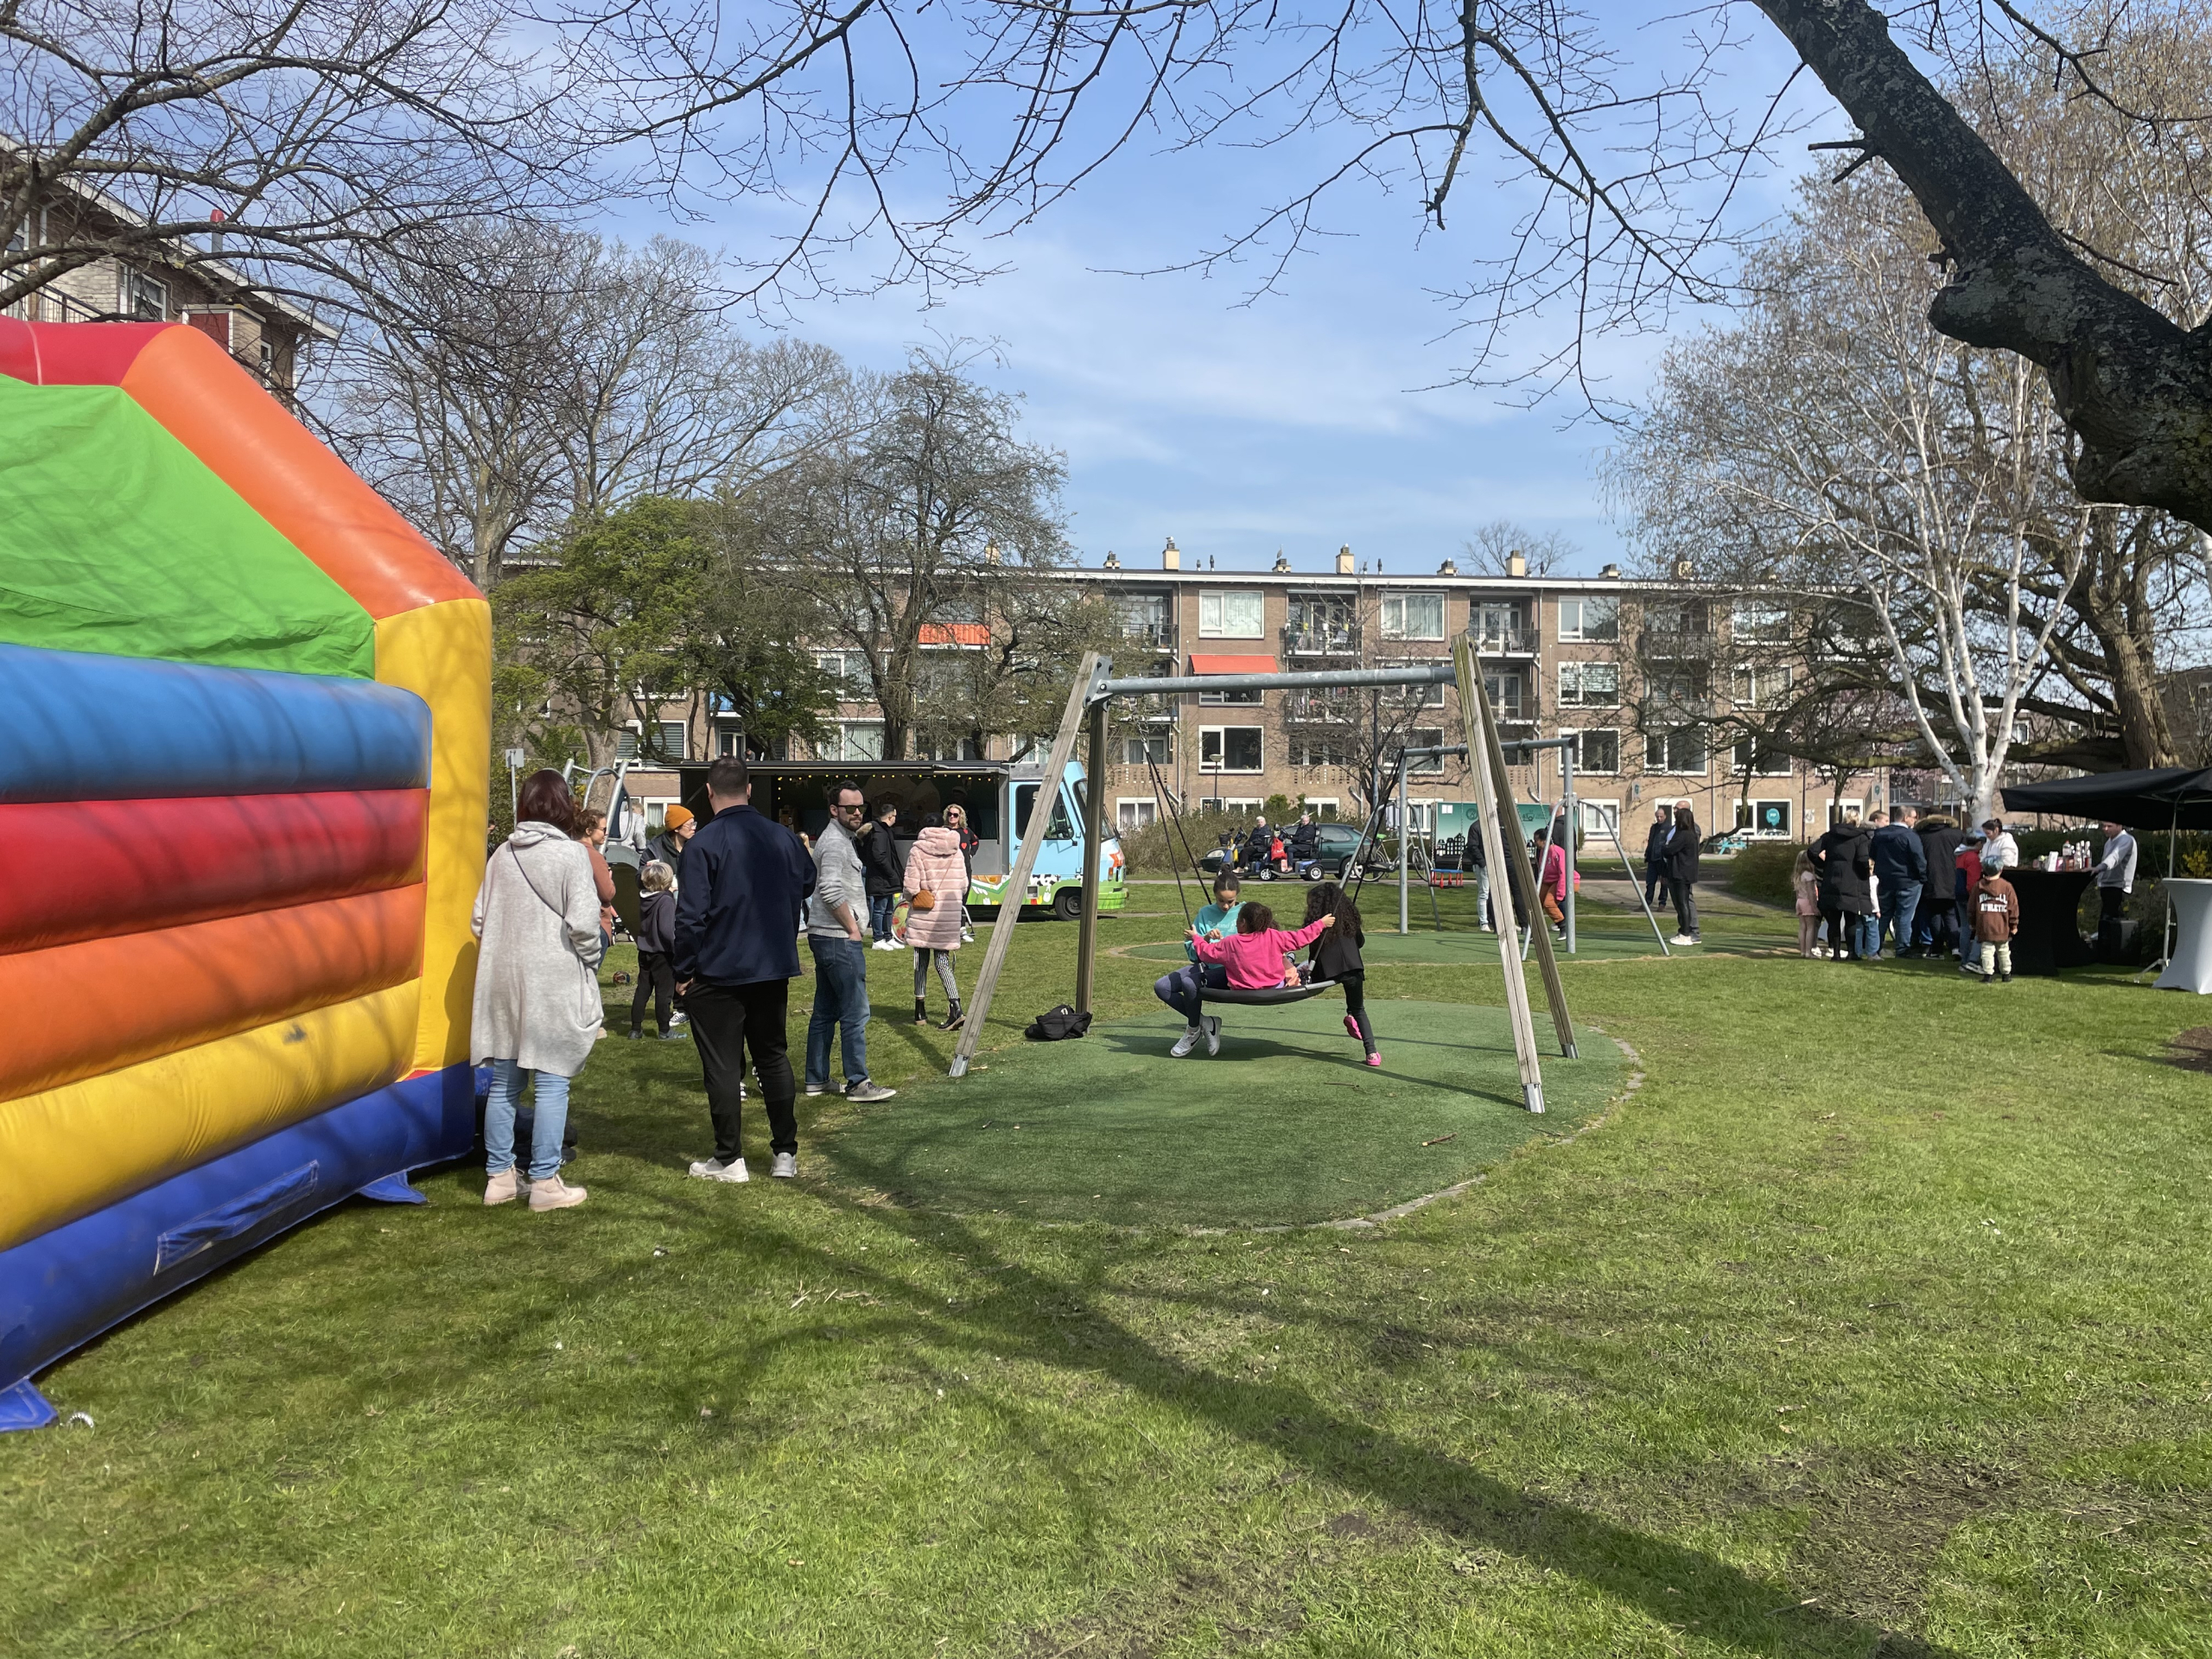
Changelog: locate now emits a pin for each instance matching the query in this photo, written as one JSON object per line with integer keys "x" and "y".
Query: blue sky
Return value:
{"x": 1309, "y": 417}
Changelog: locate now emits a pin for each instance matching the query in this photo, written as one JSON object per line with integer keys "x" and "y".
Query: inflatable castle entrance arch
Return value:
{"x": 245, "y": 742}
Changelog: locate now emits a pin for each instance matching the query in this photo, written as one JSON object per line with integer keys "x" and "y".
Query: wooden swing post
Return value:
{"x": 1016, "y": 889}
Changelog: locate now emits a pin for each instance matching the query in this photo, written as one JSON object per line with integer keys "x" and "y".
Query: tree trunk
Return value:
{"x": 2135, "y": 386}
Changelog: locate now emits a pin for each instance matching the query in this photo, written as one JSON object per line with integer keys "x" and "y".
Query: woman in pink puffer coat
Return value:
{"x": 935, "y": 866}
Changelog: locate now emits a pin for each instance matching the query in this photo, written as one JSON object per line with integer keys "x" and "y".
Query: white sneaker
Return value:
{"x": 889, "y": 944}
{"x": 712, "y": 1169}
{"x": 1184, "y": 1044}
{"x": 785, "y": 1166}
{"x": 1213, "y": 1033}
{"x": 1681, "y": 938}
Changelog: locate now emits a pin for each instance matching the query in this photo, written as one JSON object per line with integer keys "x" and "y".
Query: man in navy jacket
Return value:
{"x": 745, "y": 882}
{"x": 1901, "y": 867}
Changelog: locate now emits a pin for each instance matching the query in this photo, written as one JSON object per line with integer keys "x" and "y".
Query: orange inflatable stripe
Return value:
{"x": 93, "y": 1006}
{"x": 189, "y": 383}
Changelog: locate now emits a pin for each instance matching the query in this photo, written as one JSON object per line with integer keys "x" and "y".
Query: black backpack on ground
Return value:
{"x": 1056, "y": 1024}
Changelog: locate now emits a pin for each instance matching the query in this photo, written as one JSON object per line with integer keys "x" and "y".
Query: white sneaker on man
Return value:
{"x": 1213, "y": 1033}
{"x": 1681, "y": 938}
{"x": 868, "y": 1093}
{"x": 1184, "y": 1044}
{"x": 712, "y": 1169}
{"x": 785, "y": 1166}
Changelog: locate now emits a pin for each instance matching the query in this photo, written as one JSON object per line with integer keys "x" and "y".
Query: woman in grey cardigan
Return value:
{"x": 538, "y": 1004}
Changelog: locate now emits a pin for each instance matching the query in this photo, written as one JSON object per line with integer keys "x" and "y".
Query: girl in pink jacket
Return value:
{"x": 936, "y": 866}
{"x": 1255, "y": 953}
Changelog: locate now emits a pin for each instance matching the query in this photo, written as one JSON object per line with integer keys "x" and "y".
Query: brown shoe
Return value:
{"x": 553, "y": 1194}
{"x": 504, "y": 1187}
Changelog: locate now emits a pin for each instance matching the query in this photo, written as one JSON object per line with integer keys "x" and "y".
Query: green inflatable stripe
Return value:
{"x": 116, "y": 538}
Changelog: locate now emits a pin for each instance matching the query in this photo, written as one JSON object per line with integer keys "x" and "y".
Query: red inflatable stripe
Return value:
{"x": 88, "y": 870}
{"x": 103, "y": 1003}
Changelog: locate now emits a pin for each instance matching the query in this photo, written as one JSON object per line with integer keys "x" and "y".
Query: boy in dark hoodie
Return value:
{"x": 656, "y": 945}
{"x": 1996, "y": 919}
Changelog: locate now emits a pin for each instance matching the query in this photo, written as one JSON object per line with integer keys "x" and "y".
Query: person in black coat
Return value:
{"x": 1654, "y": 857}
{"x": 882, "y": 869}
{"x": 1679, "y": 854}
{"x": 1934, "y": 925}
{"x": 1845, "y": 861}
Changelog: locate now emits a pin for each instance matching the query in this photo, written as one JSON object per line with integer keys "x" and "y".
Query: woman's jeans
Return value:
{"x": 1180, "y": 990}
{"x": 1900, "y": 901}
{"x": 550, "y": 1113}
{"x": 1684, "y": 896}
{"x": 880, "y": 906}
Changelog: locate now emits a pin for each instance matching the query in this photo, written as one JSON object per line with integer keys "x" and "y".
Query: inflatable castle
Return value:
{"x": 244, "y": 742}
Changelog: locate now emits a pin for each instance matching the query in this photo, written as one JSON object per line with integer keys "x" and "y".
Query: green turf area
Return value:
{"x": 1877, "y": 1321}
{"x": 1285, "y": 1126}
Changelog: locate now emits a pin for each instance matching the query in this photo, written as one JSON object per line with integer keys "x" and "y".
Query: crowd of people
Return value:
{"x": 1671, "y": 851}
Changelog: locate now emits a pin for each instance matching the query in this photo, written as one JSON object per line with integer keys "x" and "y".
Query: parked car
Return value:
{"x": 1335, "y": 846}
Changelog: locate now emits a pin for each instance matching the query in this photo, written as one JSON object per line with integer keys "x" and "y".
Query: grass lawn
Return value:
{"x": 1873, "y": 1322}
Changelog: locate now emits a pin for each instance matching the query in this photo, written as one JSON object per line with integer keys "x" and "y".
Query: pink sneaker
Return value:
{"x": 1374, "y": 1060}
{"x": 1353, "y": 1026}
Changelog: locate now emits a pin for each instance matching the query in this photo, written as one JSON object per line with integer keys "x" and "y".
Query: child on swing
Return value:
{"x": 1256, "y": 953}
{"x": 1337, "y": 956}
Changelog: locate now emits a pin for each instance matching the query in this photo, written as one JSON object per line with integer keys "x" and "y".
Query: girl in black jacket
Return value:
{"x": 656, "y": 945}
{"x": 1335, "y": 956}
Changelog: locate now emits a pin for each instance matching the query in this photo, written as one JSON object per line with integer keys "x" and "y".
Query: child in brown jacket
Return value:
{"x": 1996, "y": 919}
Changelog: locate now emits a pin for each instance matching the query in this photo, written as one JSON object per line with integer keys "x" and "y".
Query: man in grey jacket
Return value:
{"x": 837, "y": 935}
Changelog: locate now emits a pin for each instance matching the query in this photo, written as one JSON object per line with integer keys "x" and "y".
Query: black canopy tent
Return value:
{"x": 2168, "y": 798}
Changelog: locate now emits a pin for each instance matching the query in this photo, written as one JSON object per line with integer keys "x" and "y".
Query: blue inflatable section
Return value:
{"x": 64, "y": 1288}
{"x": 83, "y": 727}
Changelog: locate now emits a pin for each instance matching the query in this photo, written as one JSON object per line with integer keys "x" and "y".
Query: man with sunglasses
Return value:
{"x": 837, "y": 936}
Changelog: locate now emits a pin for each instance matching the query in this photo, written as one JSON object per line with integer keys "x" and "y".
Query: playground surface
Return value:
{"x": 1285, "y": 1127}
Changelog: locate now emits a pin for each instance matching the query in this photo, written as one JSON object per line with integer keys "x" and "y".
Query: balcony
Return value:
{"x": 1150, "y": 636}
{"x": 1674, "y": 645}
{"x": 1496, "y": 639}
{"x": 1317, "y": 640}
{"x": 1320, "y": 706}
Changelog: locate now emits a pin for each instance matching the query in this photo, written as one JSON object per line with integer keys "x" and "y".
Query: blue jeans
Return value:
{"x": 1900, "y": 901}
{"x": 1180, "y": 990}
{"x": 550, "y": 1113}
{"x": 880, "y": 906}
{"x": 840, "y": 1000}
{"x": 1866, "y": 931}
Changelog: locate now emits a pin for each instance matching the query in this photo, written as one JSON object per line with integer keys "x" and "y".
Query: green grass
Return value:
{"x": 1111, "y": 1128}
{"x": 1874, "y": 1322}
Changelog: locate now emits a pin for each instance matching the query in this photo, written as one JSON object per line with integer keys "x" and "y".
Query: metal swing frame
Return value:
{"x": 1089, "y": 702}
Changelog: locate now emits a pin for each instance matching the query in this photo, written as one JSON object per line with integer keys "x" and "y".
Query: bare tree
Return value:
{"x": 1492, "y": 550}
{"x": 294, "y": 138}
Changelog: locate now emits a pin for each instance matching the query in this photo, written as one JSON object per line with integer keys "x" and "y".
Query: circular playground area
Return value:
{"x": 1285, "y": 1127}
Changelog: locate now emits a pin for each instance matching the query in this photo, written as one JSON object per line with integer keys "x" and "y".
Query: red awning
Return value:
{"x": 955, "y": 633}
{"x": 1211, "y": 665}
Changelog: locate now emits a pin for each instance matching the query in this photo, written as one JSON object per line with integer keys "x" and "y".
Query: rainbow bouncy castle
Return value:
{"x": 244, "y": 740}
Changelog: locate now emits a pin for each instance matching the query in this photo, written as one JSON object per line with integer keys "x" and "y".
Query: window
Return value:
{"x": 1763, "y": 685}
{"x": 1759, "y": 619}
{"x": 1060, "y": 827}
{"x": 1319, "y": 622}
{"x": 1599, "y": 818}
{"x": 674, "y": 738}
{"x": 1241, "y": 699}
{"x": 730, "y": 740}
{"x": 1676, "y": 616}
{"x": 144, "y": 297}
{"x": 1504, "y": 687}
{"x": 1680, "y": 691}
{"x": 859, "y": 740}
{"x": 1761, "y": 759}
{"x": 1764, "y": 817}
{"x": 1130, "y": 814}
{"x": 1680, "y": 751}
{"x": 267, "y": 354}
{"x": 1229, "y": 748}
{"x": 1589, "y": 685}
{"x": 1317, "y": 752}
{"x": 1146, "y": 749}
{"x": 1333, "y": 702}
{"x": 1323, "y": 807}
{"x": 1413, "y": 616}
{"x": 1425, "y": 737}
{"x": 625, "y": 744}
{"x": 1148, "y": 619}
{"x": 1229, "y": 616}
{"x": 1596, "y": 751}
{"x": 850, "y": 669}
{"x": 1590, "y": 619}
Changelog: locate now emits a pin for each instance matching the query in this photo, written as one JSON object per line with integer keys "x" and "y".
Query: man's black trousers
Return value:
{"x": 727, "y": 1020}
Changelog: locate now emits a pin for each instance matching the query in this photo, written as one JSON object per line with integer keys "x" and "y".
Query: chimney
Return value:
{"x": 1113, "y": 560}
{"x": 1344, "y": 561}
{"x": 1449, "y": 567}
{"x": 1684, "y": 570}
{"x": 1171, "y": 556}
{"x": 1517, "y": 563}
{"x": 1281, "y": 564}
{"x": 990, "y": 552}
{"x": 1611, "y": 572}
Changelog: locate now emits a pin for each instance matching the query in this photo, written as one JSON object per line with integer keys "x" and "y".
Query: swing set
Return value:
{"x": 1089, "y": 702}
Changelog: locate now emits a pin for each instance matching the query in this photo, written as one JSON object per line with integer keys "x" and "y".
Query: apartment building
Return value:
{"x": 261, "y": 332}
{"x": 1629, "y": 669}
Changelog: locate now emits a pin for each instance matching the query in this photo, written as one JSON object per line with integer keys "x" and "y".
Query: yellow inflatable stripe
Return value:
{"x": 68, "y": 1151}
{"x": 442, "y": 653}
